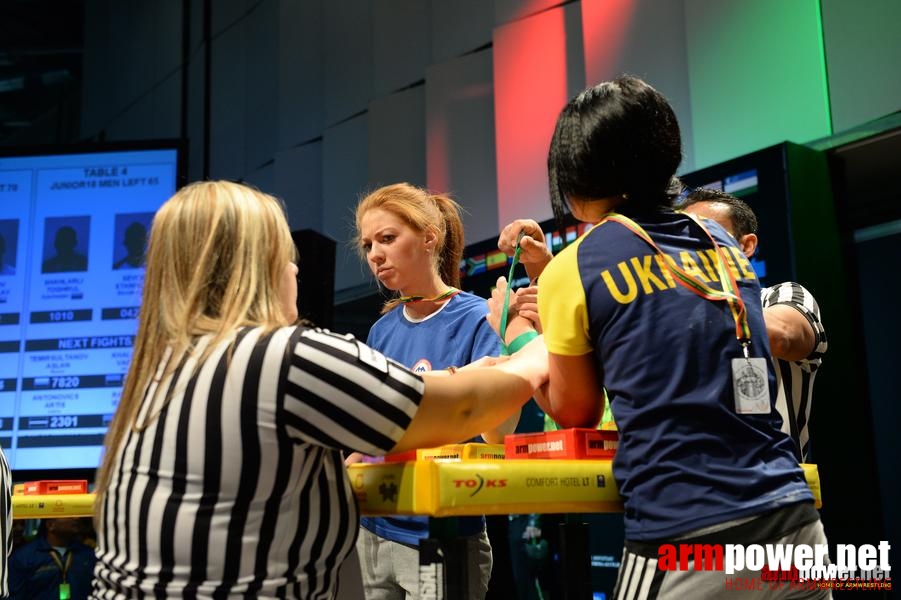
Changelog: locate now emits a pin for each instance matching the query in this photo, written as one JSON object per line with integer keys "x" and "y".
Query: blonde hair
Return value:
{"x": 215, "y": 260}
{"x": 424, "y": 212}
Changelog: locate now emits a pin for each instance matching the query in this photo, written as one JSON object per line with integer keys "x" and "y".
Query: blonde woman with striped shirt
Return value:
{"x": 223, "y": 473}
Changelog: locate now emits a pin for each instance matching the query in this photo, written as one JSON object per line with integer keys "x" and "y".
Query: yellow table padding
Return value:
{"x": 456, "y": 488}
{"x": 49, "y": 506}
{"x": 445, "y": 488}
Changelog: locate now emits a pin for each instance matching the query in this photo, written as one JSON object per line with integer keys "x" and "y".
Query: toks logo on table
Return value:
{"x": 478, "y": 483}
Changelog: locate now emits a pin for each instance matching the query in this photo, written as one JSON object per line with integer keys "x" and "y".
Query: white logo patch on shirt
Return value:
{"x": 422, "y": 366}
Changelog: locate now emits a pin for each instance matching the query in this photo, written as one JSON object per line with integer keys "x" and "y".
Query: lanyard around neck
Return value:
{"x": 728, "y": 294}
{"x": 63, "y": 568}
{"x": 450, "y": 293}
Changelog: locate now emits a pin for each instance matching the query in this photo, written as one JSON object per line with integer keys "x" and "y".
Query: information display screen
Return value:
{"x": 762, "y": 180}
{"x": 73, "y": 231}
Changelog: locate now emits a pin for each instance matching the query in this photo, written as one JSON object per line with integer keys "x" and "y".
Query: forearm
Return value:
{"x": 497, "y": 434}
{"x": 460, "y": 407}
{"x": 534, "y": 269}
{"x": 575, "y": 394}
{"x": 541, "y": 399}
{"x": 516, "y": 327}
{"x": 475, "y": 399}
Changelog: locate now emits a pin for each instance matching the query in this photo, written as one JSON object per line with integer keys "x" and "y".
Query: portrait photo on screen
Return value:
{"x": 130, "y": 243}
{"x": 9, "y": 242}
{"x": 66, "y": 244}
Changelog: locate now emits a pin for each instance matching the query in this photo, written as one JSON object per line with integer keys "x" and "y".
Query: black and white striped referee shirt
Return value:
{"x": 238, "y": 487}
{"x": 6, "y": 523}
{"x": 794, "y": 379}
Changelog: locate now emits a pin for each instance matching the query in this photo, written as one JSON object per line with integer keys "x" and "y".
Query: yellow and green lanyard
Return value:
{"x": 728, "y": 294}
{"x": 65, "y": 593}
{"x": 450, "y": 293}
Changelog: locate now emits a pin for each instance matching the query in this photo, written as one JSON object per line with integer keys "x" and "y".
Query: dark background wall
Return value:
{"x": 318, "y": 101}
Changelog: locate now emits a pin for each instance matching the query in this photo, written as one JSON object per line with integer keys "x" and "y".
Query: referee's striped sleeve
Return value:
{"x": 6, "y": 522}
{"x": 342, "y": 394}
{"x": 797, "y": 296}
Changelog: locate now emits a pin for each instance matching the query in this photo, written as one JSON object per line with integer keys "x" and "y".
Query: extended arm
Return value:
{"x": 524, "y": 302}
{"x": 474, "y": 400}
{"x": 497, "y": 434}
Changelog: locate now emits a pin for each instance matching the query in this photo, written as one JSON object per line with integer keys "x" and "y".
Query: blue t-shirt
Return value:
{"x": 455, "y": 335}
{"x": 686, "y": 459}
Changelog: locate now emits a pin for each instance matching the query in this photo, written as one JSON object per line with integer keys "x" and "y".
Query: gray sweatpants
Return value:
{"x": 640, "y": 579}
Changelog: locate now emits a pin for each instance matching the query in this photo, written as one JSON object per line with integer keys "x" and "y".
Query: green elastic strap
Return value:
{"x": 527, "y": 336}
{"x": 521, "y": 340}
{"x": 506, "y": 308}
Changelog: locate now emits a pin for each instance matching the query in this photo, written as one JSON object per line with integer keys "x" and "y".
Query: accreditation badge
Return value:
{"x": 64, "y": 592}
{"x": 751, "y": 386}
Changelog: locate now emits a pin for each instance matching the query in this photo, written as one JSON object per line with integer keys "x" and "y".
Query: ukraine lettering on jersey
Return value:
{"x": 648, "y": 274}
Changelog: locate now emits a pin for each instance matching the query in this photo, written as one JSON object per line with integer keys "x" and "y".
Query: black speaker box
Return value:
{"x": 316, "y": 279}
